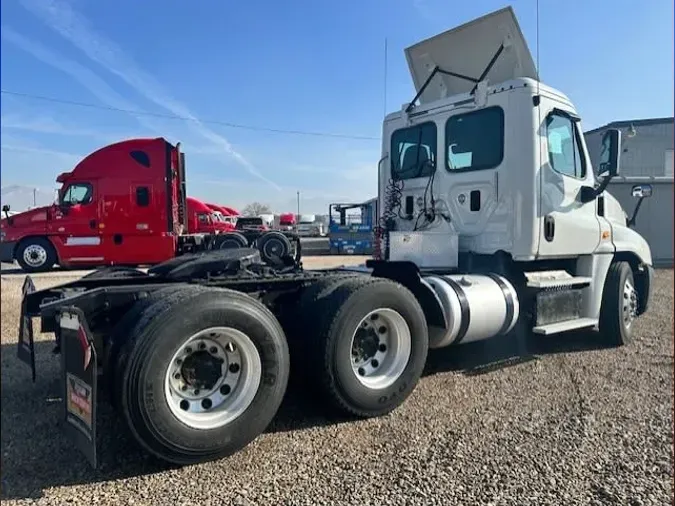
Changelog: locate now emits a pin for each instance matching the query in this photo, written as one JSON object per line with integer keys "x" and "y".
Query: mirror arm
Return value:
{"x": 631, "y": 221}
{"x": 588, "y": 193}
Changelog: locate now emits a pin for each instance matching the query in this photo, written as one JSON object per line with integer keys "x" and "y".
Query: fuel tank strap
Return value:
{"x": 508, "y": 298}
{"x": 464, "y": 308}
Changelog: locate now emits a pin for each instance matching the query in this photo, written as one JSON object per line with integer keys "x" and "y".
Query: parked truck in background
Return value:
{"x": 203, "y": 219}
{"x": 124, "y": 204}
{"x": 492, "y": 225}
{"x": 222, "y": 215}
{"x": 308, "y": 226}
{"x": 287, "y": 221}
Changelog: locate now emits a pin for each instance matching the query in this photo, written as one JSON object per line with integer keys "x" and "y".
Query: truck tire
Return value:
{"x": 230, "y": 240}
{"x": 115, "y": 272}
{"x": 619, "y": 305}
{"x": 35, "y": 254}
{"x": 274, "y": 246}
{"x": 120, "y": 333}
{"x": 370, "y": 344}
{"x": 202, "y": 374}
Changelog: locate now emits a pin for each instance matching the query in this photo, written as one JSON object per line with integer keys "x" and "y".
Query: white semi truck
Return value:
{"x": 493, "y": 224}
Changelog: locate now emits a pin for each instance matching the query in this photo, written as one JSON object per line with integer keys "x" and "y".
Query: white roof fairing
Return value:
{"x": 467, "y": 50}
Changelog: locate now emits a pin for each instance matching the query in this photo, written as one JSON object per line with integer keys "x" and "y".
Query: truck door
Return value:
{"x": 78, "y": 227}
{"x": 568, "y": 227}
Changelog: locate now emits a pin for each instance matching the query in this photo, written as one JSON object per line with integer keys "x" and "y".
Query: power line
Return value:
{"x": 184, "y": 118}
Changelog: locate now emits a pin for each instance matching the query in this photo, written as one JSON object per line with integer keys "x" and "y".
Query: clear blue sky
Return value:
{"x": 300, "y": 65}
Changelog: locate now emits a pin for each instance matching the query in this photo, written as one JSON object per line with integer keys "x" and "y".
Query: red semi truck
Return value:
{"x": 224, "y": 214}
{"x": 286, "y": 221}
{"x": 204, "y": 218}
{"x": 124, "y": 204}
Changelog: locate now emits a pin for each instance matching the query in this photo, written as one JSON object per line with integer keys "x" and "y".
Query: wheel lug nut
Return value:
{"x": 177, "y": 375}
{"x": 179, "y": 361}
{"x": 213, "y": 350}
{"x": 188, "y": 350}
{"x": 234, "y": 368}
{"x": 183, "y": 388}
{"x": 382, "y": 330}
{"x": 382, "y": 347}
{"x": 184, "y": 405}
{"x": 225, "y": 389}
{"x": 206, "y": 404}
{"x": 362, "y": 371}
{"x": 196, "y": 391}
{"x": 374, "y": 363}
{"x": 202, "y": 346}
{"x": 374, "y": 317}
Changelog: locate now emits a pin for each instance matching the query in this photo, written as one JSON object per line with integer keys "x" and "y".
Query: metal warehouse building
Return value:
{"x": 647, "y": 157}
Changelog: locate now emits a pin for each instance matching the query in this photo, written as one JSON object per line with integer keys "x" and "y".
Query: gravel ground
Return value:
{"x": 564, "y": 423}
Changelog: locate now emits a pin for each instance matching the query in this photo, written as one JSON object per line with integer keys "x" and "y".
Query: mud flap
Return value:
{"x": 26, "y": 344}
{"x": 79, "y": 370}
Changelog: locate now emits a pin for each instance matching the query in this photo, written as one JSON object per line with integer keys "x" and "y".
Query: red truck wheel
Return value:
{"x": 35, "y": 254}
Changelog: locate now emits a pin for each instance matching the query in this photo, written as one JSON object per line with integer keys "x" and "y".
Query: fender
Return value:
{"x": 408, "y": 275}
{"x": 627, "y": 240}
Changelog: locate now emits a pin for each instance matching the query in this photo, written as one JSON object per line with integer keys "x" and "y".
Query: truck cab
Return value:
{"x": 287, "y": 221}
{"x": 222, "y": 216}
{"x": 123, "y": 203}
{"x": 487, "y": 166}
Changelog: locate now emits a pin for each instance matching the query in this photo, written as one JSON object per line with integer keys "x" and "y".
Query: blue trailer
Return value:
{"x": 351, "y": 227}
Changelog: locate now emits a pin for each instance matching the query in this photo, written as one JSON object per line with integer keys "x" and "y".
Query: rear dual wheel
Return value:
{"x": 201, "y": 374}
{"x": 368, "y": 343}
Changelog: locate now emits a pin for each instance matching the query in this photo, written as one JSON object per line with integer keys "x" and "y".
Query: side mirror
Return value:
{"x": 5, "y": 208}
{"x": 610, "y": 154}
{"x": 608, "y": 167}
{"x": 641, "y": 191}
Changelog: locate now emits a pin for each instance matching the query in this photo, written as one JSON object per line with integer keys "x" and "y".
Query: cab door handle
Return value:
{"x": 549, "y": 228}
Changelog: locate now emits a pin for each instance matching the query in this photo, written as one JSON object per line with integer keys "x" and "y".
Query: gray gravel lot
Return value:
{"x": 565, "y": 422}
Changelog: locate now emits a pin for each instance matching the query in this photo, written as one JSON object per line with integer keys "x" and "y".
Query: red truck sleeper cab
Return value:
{"x": 122, "y": 204}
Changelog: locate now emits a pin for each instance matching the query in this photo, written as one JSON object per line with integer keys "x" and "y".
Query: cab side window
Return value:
{"x": 77, "y": 193}
{"x": 564, "y": 152}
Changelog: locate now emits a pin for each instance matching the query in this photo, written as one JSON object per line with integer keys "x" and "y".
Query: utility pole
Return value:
{"x": 34, "y": 198}
{"x": 298, "y": 217}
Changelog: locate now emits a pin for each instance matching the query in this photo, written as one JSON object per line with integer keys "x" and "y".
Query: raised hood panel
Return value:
{"x": 467, "y": 50}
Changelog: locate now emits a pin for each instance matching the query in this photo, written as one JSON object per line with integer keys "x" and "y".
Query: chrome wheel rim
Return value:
{"x": 213, "y": 378}
{"x": 35, "y": 255}
{"x": 629, "y": 304}
{"x": 380, "y": 348}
